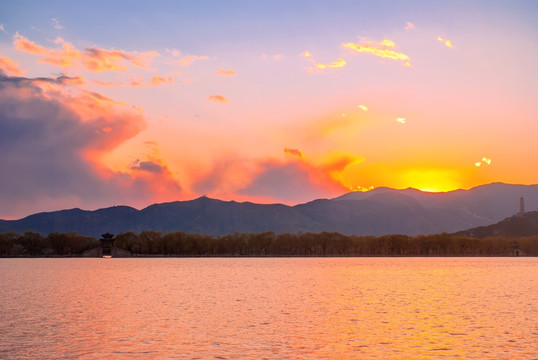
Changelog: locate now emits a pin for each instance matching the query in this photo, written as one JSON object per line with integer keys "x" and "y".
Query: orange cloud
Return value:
{"x": 226, "y": 72}
{"x": 93, "y": 59}
{"x": 157, "y": 80}
{"x": 293, "y": 153}
{"x": 383, "y": 49}
{"x": 23, "y": 44}
{"x": 217, "y": 98}
{"x": 10, "y": 66}
{"x": 447, "y": 42}
{"x": 335, "y": 164}
{"x": 98, "y": 60}
{"x": 293, "y": 181}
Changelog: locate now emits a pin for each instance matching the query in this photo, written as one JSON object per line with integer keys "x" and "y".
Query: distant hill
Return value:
{"x": 377, "y": 212}
{"x": 514, "y": 226}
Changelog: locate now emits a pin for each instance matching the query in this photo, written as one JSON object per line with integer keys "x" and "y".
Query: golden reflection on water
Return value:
{"x": 316, "y": 308}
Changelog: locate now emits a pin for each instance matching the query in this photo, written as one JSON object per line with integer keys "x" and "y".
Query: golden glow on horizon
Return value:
{"x": 431, "y": 180}
{"x": 359, "y": 188}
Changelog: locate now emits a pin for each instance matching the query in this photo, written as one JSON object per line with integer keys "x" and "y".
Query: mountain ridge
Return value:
{"x": 377, "y": 212}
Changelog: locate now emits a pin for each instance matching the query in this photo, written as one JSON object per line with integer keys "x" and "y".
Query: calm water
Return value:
{"x": 254, "y": 308}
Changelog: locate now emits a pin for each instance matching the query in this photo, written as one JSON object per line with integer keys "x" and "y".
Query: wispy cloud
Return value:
{"x": 333, "y": 65}
{"x": 189, "y": 59}
{"x": 401, "y": 120}
{"x": 56, "y": 24}
{"x": 384, "y": 49}
{"x": 97, "y": 60}
{"x": 272, "y": 57}
{"x": 485, "y": 160}
{"x": 148, "y": 166}
{"x": 10, "y": 66}
{"x": 363, "y": 107}
{"x": 155, "y": 81}
{"x": 2, "y": 29}
{"x": 93, "y": 59}
{"x": 317, "y": 66}
{"x": 447, "y": 42}
{"x": 409, "y": 26}
{"x": 217, "y": 98}
{"x": 293, "y": 153}
{"x": 224, "y": 72}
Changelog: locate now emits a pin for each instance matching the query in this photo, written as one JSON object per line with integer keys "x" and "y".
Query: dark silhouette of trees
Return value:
{"x": 153, "y": 243}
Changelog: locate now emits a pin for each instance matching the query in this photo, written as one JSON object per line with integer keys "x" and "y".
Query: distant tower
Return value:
{"x": 521, "y": 206}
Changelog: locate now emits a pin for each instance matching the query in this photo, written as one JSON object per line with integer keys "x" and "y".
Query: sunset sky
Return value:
{"x": 133, "y": 102}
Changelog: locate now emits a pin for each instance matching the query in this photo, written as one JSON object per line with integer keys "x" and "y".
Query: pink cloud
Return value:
{"x": 54, "y": 136}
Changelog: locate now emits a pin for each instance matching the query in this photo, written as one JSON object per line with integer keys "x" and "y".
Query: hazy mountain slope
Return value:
{"x": 210, "y": 216}
{"x": 513, "y": 226}
{"x": 113, "y": 219}
{"x": 486, "y": 203}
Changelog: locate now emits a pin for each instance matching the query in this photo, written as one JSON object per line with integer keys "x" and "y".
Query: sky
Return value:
{"x": 134, "y": 102}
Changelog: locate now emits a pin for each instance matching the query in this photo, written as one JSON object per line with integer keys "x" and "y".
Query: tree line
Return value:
{"x": 154, "y": 243}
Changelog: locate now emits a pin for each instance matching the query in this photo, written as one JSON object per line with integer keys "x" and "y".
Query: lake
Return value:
{"x": 269, "y": 308}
